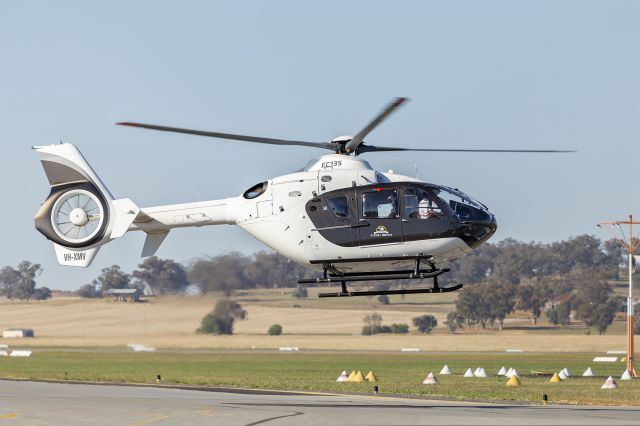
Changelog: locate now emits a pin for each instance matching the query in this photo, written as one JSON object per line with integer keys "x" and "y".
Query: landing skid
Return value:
{"x": 388, "y": 292}
{"x": 333, "y": 275}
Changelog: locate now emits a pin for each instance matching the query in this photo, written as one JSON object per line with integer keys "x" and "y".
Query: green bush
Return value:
{"x": 369, "y": 330}
{"x": 425, "y": 323}
{"x": 399, "y": 328}
{"x": 222, "y": 318}
{"x": 275, "y": 330}
{"x": 212, "y": 325}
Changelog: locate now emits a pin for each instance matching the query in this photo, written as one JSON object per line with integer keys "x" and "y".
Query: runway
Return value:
{"x": 37, "y": 403}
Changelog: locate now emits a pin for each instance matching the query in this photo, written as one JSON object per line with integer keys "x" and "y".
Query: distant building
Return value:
{"x": 17, "y": 332}
{"x": 124, "y": 294}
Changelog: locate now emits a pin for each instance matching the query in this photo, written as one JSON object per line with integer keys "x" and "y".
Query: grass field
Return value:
{"x": 398, "y": 374}
{"x": 170, "y": 322}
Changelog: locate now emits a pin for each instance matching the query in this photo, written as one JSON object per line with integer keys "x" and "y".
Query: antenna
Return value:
{"x": 415, "y": 166}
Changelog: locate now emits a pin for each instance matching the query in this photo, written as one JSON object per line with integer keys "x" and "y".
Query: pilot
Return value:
{"x": 427, "y": 209}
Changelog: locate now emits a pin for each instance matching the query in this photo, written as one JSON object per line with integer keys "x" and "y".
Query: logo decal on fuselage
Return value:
{"x": 381, "y": 231}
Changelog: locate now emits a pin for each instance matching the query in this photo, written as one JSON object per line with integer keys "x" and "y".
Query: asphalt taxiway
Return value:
{"x": 39, "y": 403}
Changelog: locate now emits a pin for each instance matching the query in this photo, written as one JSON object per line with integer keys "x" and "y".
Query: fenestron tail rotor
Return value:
{"x": 76, "y": 216}
{"x": 342, "y": 145}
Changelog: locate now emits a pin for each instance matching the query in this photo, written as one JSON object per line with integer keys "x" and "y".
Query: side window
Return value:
{"x": 339, "y": 206}
{"x": 419, "y": 205}
{"x": 380, "y": 204}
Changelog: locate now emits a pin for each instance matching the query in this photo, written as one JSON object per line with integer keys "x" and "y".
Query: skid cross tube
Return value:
{"x": 388, "y": 292}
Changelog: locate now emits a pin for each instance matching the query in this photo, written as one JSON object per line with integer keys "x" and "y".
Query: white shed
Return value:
{"x": 17, "y": 332}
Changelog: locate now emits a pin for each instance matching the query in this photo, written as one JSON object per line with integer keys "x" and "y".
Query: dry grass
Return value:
{"x": 171, "y": 322}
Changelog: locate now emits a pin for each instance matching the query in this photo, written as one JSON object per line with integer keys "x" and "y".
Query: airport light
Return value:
{"x": 631, "y": 244}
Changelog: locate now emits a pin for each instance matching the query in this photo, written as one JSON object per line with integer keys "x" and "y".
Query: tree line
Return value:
{"x": 556, "y": 279}
{"x": 20, "y": 282}
{"x": 221, "y": 274}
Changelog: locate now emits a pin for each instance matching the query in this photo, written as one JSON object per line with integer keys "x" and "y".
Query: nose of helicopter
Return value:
{"x": 478, "y": 229}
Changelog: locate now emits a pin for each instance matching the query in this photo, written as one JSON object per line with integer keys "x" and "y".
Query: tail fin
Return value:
{"x": 80, "y": 214}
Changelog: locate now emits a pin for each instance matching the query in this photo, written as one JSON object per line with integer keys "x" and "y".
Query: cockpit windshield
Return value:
{"x": 456, "y": 195}
{"x": 462, "y": 205}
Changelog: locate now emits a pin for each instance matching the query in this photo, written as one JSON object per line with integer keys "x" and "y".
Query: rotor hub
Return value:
{"x": 78, "y": 217}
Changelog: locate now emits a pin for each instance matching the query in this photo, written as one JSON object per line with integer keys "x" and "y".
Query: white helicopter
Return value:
{"x": 338, "y": 215}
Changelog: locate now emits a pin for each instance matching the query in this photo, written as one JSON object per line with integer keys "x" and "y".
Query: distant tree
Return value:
{"x": 604, "y": 315}
{"x": 383, "y": 299}
{"x": 9, "y": 279}
{"x": 473, "y": 304}
{"x": 112, "y": 278}
{"x": 221, "y": 320}
{"x": 224, "y": 274}
{"x": 42, "y": 293}
{"x": 372, "y": 320}
{"x": 425, "y": 323}
{"x": 532, "y": 297}
{"x": 272, "y": 270}
{"x": 500, "y": 298}
{"x": 275, "y": 330}
{"x": 163, "y": 276}
{"x": 89, "y": 291}
{"x": 593, "y": 292}
{"x": 560, "y": 314}
{"x": 20, "y": 283}
{"x": 454, "y": 321}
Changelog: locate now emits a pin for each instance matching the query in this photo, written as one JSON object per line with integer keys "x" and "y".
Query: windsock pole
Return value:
{"x": 631, "y": 246}
{"x": 630, "y": 307}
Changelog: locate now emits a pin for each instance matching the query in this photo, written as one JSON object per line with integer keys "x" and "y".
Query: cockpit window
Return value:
{"x": 461, "y": 196}
{"x": 418, "y": 204}
{"x": 380, "y": 204}
{"x": 255, "y": 190}
{"x": 338, "y": 206}
{"x": 462, "y": 205}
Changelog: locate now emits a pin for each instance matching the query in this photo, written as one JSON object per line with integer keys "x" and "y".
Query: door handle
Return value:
{"x": 359, "y": 225}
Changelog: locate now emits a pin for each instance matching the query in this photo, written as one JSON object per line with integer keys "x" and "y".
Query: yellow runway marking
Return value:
{"x": 207, "y": 411}
{"x": 8, "y": 416}
{"x": 156, "y": 419}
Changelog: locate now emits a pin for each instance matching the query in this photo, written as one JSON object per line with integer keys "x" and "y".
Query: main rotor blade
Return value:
{"x": 359, "y": 137}
{"x": 256, "y": 139}
{"x": 369, "y": 148}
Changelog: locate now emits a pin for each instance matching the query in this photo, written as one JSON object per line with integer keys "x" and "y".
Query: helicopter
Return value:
{"x": 337, "y": 215}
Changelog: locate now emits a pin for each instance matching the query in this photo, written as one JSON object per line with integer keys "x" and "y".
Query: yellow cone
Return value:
{"x": 351, "y": 376}
{"x": 358, "y": 377}
{"x": 513, "y": 381}
{"x": 555, "y": 378}
{"x": 371, "y": 377}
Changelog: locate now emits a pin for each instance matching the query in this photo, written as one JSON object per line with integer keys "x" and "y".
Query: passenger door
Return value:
{"x": 379, "y": 216}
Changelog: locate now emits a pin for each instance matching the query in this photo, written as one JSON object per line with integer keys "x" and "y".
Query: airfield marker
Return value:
{"x": 468, "y": 373}
{"x": 626, "y": 375}
{"x": 446, "y": 370}
{"x": 514, "y": 381}
{"x": 588, "y": 373}
{"x": 370, "y": 377}
{"x": 609, "y": 384}
{"x": 431, "y": 379}
{"x": 344, "y": 377}
{"x": 358, "y": 378}
{"x": 555, "y": 378}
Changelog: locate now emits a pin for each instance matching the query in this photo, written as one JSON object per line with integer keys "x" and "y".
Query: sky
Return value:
{"x": 490, "y": 74}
